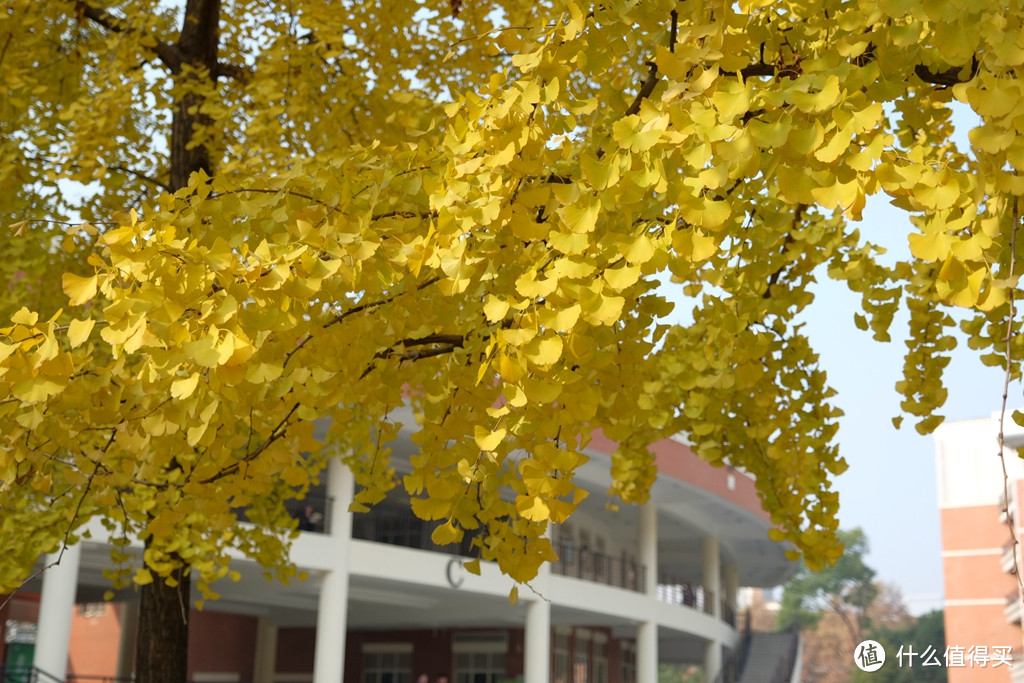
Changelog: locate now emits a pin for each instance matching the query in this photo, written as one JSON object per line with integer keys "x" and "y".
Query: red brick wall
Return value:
{"x": 296, "y": 650}
{"x": 95, "y": 641}
{"x": 972, "y": 527}
{"x": 680, "y": 462}
{"x": 979, "y": 625}
{"x": 977, "y": 577}
{"x": 24, "y": 607}
{"x": 432, "y": 651}
{"x": 222, "y": 643}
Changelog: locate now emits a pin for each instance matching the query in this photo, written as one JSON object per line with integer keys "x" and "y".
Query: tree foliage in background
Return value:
{"x": 846, "y": 589}
{"x": 841, "y": 606}
{"x": 229, "y": 218}
{"x": 927, "y": 631}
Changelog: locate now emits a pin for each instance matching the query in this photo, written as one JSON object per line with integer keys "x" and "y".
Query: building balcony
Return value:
{"x": 1013, "y": 607}
{"x": 1017, "y": 665}
{"x": 1006, "y": 560}
{"x": 586, "y": 564}
{"x": 1007, "y": 507}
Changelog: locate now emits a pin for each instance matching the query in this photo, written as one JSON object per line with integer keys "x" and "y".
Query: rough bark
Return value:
{"x": 161, "y": 654}
{"x": 198, "y": 48}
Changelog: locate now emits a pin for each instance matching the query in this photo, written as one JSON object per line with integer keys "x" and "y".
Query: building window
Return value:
{"x": 600, "y": 650}
{"x": 566, "y": 545}
{"x": 91, "y": 610}
{"x": 627, "y": 652}
{"x": 387, "y": 663}
{"x": 480, "y": 657}
{"x": 581, "y": 657}
{"x": 586, "y": 566}
{"x": 560, "y": 663}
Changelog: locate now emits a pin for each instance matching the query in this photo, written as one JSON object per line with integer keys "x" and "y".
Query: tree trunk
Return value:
{"x": 197, "y": 46}
{"x": 161, "y": 650}
{"x": 161, "y": 654}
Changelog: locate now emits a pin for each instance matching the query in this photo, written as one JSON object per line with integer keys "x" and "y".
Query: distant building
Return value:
{"x": 646, "y": 585}
{"x": 983, "y": 600}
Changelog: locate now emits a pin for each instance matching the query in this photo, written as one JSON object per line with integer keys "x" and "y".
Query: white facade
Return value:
{"x": 638, "y": 587}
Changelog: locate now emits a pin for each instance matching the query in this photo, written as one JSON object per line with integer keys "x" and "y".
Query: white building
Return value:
{"x": 634, "y": 588}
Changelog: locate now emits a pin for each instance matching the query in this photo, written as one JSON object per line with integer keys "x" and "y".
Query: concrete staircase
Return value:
{"x": 767, "y": 659}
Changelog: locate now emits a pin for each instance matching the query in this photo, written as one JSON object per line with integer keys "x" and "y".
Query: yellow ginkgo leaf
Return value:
{"x": 487, "y": 440}
{"x": 183, "y": 388}
{"x": 79, "y": 289}
{"x": 79, "y": 331}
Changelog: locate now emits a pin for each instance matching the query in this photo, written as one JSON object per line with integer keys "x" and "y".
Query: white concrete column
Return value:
{"x": 648, "y": 546}
{"x": 647, "y": 631}
{"x": 647, "y": 652}
{"x": 332, "y": 611}
{"x": 712, "y": 574}
{"x": 537, "y": 631}
{"x": 56, "y": 608}
{"x": 712, "y": 580}
{"x": 265, "y": 664}
{"x": 537, "y": 657}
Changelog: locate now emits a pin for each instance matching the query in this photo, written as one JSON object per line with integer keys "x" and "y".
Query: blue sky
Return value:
{"x": 890, "y": 489}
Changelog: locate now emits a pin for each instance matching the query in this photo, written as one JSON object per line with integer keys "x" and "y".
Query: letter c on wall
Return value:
{"x": 455, "y": 581}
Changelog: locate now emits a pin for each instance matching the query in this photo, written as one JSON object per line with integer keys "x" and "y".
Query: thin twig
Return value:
{"x": 67, "y": 533}
{"x": 291, "y": 193}
{"x": 141, "y": 176}
{"x": 1006, "y": 392}
{"x": 277, "y": 433}
{"x": 3, "y": 52}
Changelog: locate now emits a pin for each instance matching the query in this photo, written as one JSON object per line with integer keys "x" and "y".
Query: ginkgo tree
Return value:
{"x": 229, "y": 219}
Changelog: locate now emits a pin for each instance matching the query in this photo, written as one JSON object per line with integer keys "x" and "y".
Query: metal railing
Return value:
{"x": 312, "y": 512}
{"x": 746, "y": 637}
{"x": 728, "y": 613}
{"x": 19, "y": 674}
{"x": 686, "y": 593}
{"x": 14, "y": 674}
{"x": 589, "y": 565}
{"x": 394, "y": 525}
{"x": 784, "y": 669}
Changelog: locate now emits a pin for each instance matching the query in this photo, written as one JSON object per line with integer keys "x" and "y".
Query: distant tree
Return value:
{"x": 924, "y": 635}
{"x": 845, "y": 589}
{"x": 678, "y": 673}
{"x": 829, "y": 647}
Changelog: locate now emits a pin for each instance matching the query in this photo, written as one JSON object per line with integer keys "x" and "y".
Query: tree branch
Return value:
{"x": 239, "y": 73}
{"x": 141, "y": 176}
{"x": 948, "y": 77}
{"x": 168, "y": 54}
{"x": 278, "y": 432}
{"x": 443, "y": 344}
{"x": 646, "y": 88}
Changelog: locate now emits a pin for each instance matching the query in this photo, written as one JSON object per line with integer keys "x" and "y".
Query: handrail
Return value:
{"x": 313, "y": 512}
{"x": 784, "y": 669}
{"x": 591, "y": 565}
{"x": 20, "y": 674}
{"x": 686, "y": 593}
{"x": 33, "y": 674}
{"x": 746, "y": 638}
